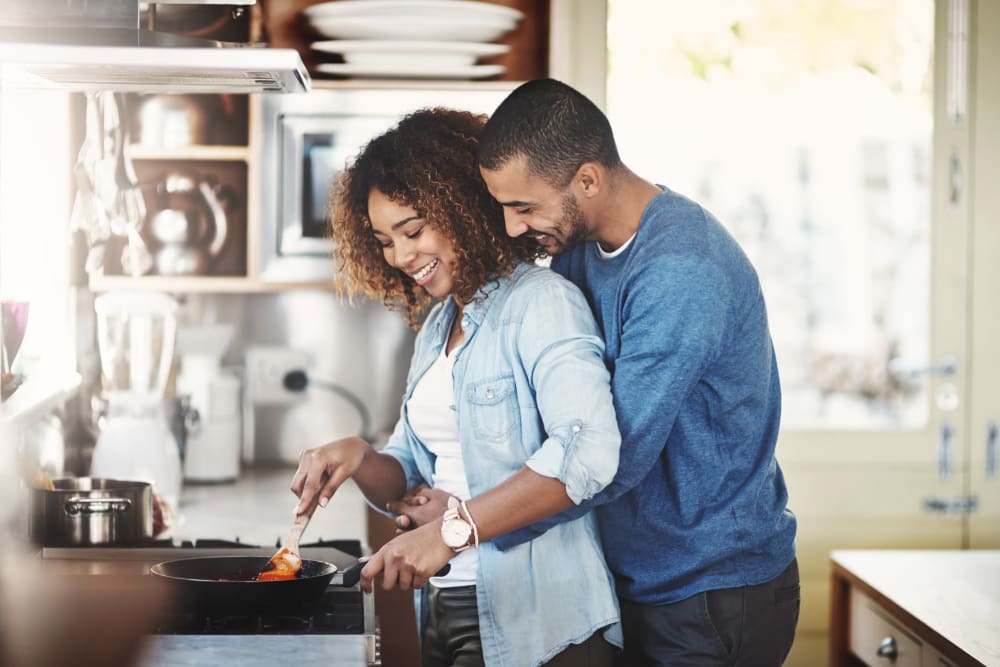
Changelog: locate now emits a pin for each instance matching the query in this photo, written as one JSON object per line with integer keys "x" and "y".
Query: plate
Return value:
{"x": 393, "y": 52}
{"x": 404, "y": 71}
{"x": 439, "y": 9}
{"x": 457, "y": 28}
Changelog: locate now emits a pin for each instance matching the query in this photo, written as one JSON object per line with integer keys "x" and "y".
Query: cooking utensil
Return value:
{"x": 87, "y": 511}
{"x": 226, "y": 585}
{"x": 190, "y": 228}
{"x": 286, "y": 563}
{"x": 352, "y": 575}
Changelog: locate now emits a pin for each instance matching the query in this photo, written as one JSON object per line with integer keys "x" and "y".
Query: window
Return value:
{"x": 806, "y": 128}
{"x": 35, "y": 167}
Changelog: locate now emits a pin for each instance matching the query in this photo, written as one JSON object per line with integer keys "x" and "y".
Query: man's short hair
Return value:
{"x": 555, "y": 127}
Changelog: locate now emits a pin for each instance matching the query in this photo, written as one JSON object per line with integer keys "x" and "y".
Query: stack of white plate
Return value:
{"x": 438, "y": 39}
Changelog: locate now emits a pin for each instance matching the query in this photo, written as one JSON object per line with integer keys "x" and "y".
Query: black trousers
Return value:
{"x": 451, "y": 638}
{"x": 751, "y": 626}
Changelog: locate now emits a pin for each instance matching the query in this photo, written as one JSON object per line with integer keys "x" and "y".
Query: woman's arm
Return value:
{"x": 561, "y": 353}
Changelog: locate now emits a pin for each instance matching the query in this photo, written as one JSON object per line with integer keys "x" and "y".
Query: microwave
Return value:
{"x": 307, "y": 140}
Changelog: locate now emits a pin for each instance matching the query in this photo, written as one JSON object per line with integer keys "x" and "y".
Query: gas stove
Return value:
{"x": 340, "y": 629}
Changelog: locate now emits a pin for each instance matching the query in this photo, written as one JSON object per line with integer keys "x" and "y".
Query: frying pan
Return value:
{"x": 224, "y": 585}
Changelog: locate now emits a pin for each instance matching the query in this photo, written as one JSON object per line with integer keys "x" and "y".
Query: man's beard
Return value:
{"x": 574, "y": 226}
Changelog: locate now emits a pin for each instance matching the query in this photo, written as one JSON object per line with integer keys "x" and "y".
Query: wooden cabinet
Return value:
{"x": 915, "y": 608}
{"x": 205, "y": 140}
{"x": 282, "y": 25}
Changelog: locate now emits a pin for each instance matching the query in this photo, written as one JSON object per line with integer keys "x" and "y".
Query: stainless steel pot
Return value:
{"x": 86, "y": 511}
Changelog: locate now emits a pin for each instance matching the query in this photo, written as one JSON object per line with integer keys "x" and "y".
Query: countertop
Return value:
{"x": 954, "y": 595}
{"x": 257, "y": 509}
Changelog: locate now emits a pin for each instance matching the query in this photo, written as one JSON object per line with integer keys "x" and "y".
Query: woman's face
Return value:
{"x": 411, "y": 244}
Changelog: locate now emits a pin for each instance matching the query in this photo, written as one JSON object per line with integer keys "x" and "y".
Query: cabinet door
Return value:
{"x": 983, "y": 474}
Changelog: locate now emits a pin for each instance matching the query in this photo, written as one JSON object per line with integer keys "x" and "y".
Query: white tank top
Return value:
{"x": 431, "y": 411}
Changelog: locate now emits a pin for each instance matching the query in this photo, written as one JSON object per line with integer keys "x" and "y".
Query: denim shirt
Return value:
{"x": 530, "y": 388}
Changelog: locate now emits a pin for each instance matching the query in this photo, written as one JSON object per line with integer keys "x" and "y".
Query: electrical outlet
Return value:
{"x": 266, "y": 367}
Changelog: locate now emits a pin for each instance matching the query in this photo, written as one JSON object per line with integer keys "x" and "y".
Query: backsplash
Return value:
{"x": 361, "y": 347}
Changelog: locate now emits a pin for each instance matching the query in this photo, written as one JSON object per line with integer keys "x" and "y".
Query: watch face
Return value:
{"x": 455, "y": 533}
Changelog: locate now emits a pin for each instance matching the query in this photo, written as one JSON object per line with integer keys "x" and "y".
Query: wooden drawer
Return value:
{"x": 871, "y": 627}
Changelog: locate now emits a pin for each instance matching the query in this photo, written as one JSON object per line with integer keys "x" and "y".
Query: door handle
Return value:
{"x": 888, "y": 648}
{"x": 945, "y": 435}
{"x": 991, "y": 449}
{"x": 903, "y": 369}
{"x": 956, "y": 505}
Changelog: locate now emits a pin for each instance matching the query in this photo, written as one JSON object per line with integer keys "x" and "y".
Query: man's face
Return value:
{"x": 531, "y": 206}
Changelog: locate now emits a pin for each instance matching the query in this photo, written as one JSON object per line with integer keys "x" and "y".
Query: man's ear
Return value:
{"x": 589, "y": 179}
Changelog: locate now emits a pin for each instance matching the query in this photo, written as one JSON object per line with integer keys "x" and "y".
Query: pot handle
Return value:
{"x": 80, "y": 505}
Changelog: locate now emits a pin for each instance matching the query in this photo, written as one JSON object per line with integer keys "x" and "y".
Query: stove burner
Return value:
{"x": 337, "y": 612}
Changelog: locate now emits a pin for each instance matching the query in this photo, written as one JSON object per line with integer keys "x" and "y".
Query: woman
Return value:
{"x": 507, "y": 378}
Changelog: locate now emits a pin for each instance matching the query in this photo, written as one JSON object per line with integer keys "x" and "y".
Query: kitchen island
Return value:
{"x": 915, "y": 608}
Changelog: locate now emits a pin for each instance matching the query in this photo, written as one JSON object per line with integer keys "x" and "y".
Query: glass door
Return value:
{"x": 819, "y": 134}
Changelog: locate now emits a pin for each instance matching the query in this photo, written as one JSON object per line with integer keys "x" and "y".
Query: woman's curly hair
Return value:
{"x": 427, "y": 162}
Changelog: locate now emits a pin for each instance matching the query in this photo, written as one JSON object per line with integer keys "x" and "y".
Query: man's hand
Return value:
{"x": 419, "y": 507}
{"x": 409, "y": 559}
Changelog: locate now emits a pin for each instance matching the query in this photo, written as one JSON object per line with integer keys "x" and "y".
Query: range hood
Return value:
{"x": 97, "y": 45}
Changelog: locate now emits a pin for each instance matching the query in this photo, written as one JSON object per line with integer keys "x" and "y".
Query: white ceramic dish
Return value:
{"x": 404, "y": 71}
{"x": 442, "y": 9}
{"x": 457, "y": 28}
{"x": 384, "y": 53}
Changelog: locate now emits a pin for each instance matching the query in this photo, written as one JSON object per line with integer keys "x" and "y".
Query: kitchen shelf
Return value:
{"x": 219, "y": 153}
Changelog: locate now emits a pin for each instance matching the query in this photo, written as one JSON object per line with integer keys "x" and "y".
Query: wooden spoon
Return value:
{"x": 286, "y": 563}
{"x": 36, "y": 477}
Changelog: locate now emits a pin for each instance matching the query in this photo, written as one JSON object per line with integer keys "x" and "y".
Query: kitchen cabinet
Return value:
{"x": 915, "y": 608}
{"x": 282, "y": 26}
{"x": 205, "y": 139}
{"x": 227, "y": 154}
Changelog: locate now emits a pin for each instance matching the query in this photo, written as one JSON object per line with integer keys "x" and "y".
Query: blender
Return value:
{"x": 135, "y": 338}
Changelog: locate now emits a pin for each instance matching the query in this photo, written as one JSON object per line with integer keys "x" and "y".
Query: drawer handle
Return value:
{"x": 888, "y": 648}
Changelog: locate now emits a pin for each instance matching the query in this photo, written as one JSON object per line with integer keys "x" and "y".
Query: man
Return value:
{"x": 695, "y": 525}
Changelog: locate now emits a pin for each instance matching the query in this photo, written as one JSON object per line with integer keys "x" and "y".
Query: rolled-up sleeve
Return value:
{"x": 563, "y": 354}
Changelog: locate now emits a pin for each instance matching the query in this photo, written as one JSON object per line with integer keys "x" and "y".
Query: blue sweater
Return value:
{"x": 698, "y": 502}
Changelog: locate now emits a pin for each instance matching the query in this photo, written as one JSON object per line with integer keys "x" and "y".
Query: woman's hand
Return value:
{"x": 409, "y": 559}
{"x": 323, "y": 469}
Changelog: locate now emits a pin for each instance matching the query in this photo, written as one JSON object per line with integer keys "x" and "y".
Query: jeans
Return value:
{"x": 751, "y": 626}
{"x": 451, "y": 638}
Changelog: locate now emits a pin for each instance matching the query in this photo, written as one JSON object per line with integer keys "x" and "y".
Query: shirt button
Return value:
{"x": 576, "y": 428}
{"x": 489, "y": 393}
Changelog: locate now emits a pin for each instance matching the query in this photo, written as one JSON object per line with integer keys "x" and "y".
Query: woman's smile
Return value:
{"x": 424, "y": 275}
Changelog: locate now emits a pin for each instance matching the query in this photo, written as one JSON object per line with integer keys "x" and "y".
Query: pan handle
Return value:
{"x": 77, "y": 505}
{"x": 353, "y": 574}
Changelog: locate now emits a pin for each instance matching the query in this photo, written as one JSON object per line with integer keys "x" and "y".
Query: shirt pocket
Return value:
{"x": 493, "y": 408}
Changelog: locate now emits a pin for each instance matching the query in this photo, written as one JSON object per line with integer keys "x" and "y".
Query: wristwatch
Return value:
{"x": 455, "y": 530}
